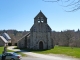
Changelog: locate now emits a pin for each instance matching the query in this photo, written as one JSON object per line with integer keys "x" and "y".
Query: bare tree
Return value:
{"x": 68, "y": 5}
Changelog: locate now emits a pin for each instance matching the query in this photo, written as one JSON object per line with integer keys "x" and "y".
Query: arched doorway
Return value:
{"x": 40, "y": 45}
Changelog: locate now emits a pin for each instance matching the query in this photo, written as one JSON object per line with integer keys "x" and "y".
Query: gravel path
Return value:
{"x": 47, "y": 57}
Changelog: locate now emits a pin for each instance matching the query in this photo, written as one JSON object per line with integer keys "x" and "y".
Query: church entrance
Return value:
{"x": 40, "y": 45}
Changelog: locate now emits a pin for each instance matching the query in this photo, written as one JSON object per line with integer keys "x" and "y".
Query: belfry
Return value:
{"x": 40, "y": 34}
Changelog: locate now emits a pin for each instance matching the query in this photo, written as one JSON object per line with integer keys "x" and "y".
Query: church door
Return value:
{"x": 40, "y": 45}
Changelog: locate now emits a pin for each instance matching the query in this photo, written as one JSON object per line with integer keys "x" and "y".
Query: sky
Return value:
{"x": 19, "y": 15}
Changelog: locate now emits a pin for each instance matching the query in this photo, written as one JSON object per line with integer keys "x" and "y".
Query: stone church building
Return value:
{"x": 39, "y": 36}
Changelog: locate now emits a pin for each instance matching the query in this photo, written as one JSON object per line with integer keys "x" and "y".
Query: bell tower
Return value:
{"x": 40, "y": 33}
{"x": 40, "y": 18}
{"x": 39, "y": 36}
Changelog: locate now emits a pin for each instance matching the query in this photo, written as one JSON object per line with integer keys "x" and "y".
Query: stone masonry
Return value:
{"x": 39, "y": 36}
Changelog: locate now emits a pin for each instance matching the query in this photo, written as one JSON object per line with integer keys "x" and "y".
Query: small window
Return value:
{"x": 42, "y": 21}
{"x": 38, "y": 21}
{"x": 8, "y": 54}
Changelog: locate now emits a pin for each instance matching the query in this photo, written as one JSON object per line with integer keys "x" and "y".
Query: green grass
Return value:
{"x": 74, "y": 52}
{"x": 24, "y": 55}
{"x": 1, "y": 50}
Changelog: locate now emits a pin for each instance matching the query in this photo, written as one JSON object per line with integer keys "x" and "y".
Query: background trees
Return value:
{"x": 67, "y": 38}
{"x": 64, "y": 38}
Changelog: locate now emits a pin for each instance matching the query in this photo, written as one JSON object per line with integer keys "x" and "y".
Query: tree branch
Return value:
{"x": 75, "y": 4}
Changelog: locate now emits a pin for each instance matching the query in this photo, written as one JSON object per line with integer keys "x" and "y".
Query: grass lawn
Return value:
{"x": 2, "y": 48}
{"x": 74, "y": 52}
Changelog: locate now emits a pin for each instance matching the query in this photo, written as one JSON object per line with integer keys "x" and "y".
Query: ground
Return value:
{"x": 31, "y": 58}
{"x": 36, "y": 56}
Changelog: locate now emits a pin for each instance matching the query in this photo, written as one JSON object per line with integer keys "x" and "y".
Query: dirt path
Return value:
{"x": 49, "y": 57}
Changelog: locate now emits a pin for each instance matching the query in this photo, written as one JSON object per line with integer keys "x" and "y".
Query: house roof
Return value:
{"x": 3, "y": 39}
{"x": 8, "y": 37}
{"x": 24, "y": 36}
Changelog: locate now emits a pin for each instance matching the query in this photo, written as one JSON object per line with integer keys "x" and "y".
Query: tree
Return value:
{"x": 71, "y": 5}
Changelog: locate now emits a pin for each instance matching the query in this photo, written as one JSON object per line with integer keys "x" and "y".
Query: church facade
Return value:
{"x": 39, "y": 36}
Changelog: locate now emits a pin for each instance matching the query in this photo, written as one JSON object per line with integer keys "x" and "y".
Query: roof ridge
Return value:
{"x": 40, "y": 13}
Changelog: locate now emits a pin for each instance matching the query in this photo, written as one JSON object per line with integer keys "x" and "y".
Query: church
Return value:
{"x": 39, "y": 36}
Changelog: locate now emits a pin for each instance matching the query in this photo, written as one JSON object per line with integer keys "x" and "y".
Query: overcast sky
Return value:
{"x": 19, "y": 15}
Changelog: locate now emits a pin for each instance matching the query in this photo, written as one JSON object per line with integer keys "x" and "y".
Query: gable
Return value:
{"x": 3, "y": 39}
{"x": 40, "y": 14}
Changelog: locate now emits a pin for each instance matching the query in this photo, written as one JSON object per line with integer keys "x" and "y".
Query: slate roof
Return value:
{"x": 3, "y": 39}
{"x": 24, "y": 36}
{"x": 6, "y": 36}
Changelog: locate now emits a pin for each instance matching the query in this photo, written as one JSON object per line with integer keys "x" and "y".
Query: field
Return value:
{"x": 74, "y": 52}
{"x": 1, "y": 50}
